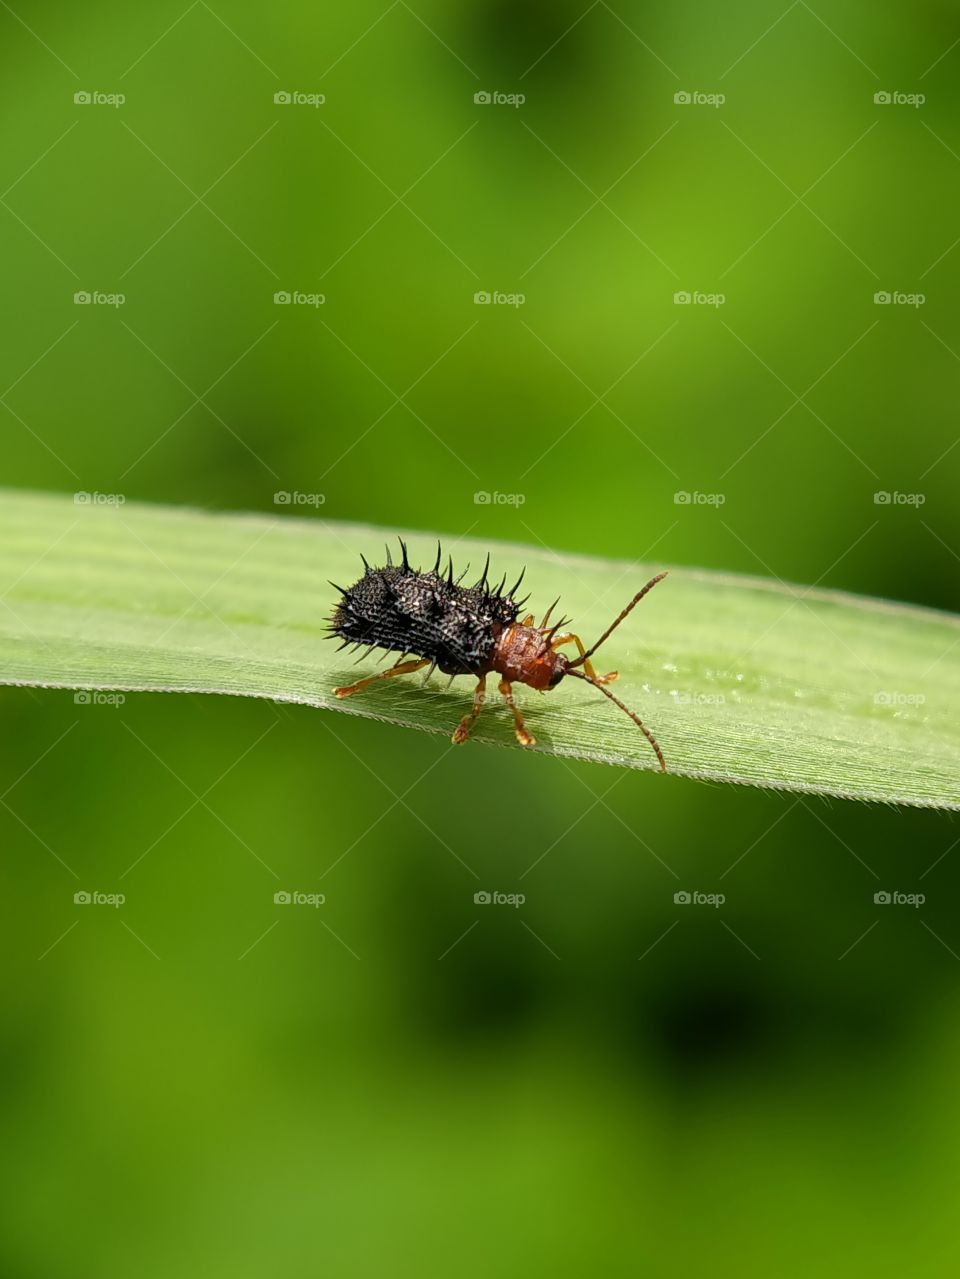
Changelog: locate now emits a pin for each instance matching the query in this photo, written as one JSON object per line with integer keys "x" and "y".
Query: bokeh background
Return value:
{"x": 402, "y": 1081}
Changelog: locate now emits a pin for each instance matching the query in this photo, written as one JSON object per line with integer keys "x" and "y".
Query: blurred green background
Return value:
{"x": 402, "y": 1081}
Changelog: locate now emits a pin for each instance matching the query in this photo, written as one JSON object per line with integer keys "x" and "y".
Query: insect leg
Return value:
{"x": 524, "y": 737}
{"x": 463, "y": 728}
{"x": 567, "y": 637}
{"x": 403, "y": 668}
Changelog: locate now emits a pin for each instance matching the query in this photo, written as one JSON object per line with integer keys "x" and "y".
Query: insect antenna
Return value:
{"x": 578, "y": 661}
{"x": 626, "y": 710}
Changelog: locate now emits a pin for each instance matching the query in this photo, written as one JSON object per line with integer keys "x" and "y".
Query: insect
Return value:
{"x": 466, "y": 630}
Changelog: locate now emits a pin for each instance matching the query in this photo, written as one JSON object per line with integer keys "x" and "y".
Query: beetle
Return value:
{"x": 467, "y": 630}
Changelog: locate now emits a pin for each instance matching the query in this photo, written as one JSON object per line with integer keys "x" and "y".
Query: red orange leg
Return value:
{"x": 568, "y": 637}
{"x": 524, "y": 737}
{"x": 404, "y": 668}
{"x": 462, "y": 731}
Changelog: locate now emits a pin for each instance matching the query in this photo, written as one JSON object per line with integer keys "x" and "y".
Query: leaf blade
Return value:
{"x": 741, "y": 679}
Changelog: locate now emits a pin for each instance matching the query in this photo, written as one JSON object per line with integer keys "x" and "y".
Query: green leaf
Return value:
{"x": 741, "y": 679}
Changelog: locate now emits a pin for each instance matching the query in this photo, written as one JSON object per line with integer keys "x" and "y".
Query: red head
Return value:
{"x": 526, "y": 654}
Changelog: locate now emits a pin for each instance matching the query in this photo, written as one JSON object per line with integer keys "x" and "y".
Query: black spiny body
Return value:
{"x": 404, "y": 610}
{"x": 466, "y": 630}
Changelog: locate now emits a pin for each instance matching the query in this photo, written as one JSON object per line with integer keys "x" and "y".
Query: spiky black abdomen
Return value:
{"x": 429, "y": 615}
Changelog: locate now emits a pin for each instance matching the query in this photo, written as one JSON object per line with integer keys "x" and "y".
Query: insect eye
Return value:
{"x": 556, "y": 677}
